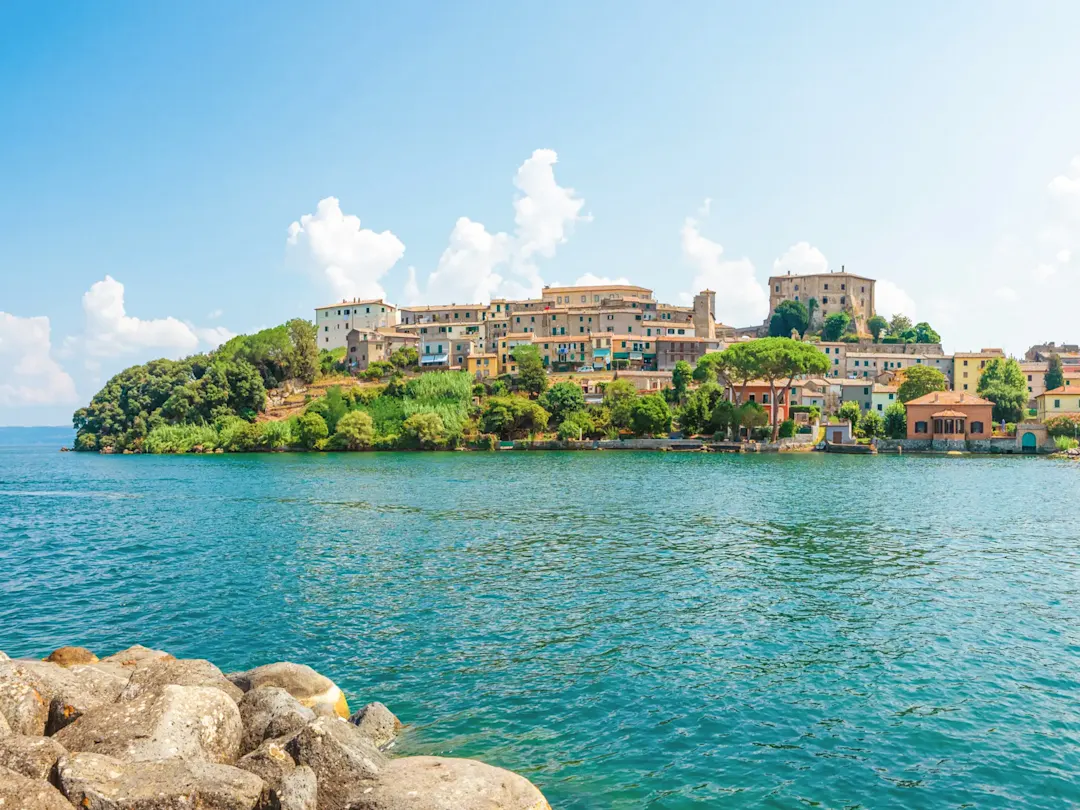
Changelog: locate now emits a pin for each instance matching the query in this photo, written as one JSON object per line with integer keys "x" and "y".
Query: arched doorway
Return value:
{"x": 1029, "y": 443}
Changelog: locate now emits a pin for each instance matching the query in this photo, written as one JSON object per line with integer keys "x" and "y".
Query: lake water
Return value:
{"x": 628, "y": 630}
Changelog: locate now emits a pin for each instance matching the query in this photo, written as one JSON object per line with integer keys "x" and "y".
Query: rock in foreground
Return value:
{"x": 317, "y": 692}
{"x": 18, "y": 791}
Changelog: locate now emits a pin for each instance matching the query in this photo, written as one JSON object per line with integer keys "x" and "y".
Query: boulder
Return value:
{"x": 377, "y": 723}
{"x": 70, "y": 656}
{"x": 315, "y": 691}
{"x": 185, "y": 672}
{"x": 23, "y": 699}
{"x": 5, "y": 729}
{"x": 299, "y": 790}
{"x": 136, "y": 657}
{"x": 33, "y": 757}
{"x": 268, "y": 712}
{"x": 18, "y": 792}
{"x": 342, "y": 758}
{"x": 104, "y": 783}
{"x": 198, "y": 723}
{"x": 440, "y": 783}
{"x": 270, "y": 762}
{"x": 3, "y": 656}
{"x": 65, "y": 693}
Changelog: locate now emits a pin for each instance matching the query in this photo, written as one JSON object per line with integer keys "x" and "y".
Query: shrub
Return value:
{"x": 236, "y": 435}
{"x": 787, "y": 429}
{"x": 576, "y": 425}
{"x": 512, "y": 417}
{"x": 872, "y": 425}
{"x": 896, "y": 421}
{"x": 274, "y": 435}
{"x": 312, "y": 431}
{"x": 390, "y": 441}
{"x": 377, "y": 369}
{"x": 1063, "y": 425}
{"x": 426, "y": 429}
{"x": 850, "y": 412}
{"x": 1064, "y": 443}
{"x": 181, "y": 439}
{"x": 356, "y": 430}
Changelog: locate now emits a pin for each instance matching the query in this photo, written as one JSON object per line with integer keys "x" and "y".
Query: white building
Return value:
{"x": 334, "y": 322}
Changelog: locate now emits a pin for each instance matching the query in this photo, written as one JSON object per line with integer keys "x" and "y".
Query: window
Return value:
{"x": 367, "y": 310}
{"x": 826, "y": 286}
{"x": 843, "y": 298}
{"x": 1029, "y": 380}
{"x": 866, "y": 391}
{"x": 1057, "y": 402}
{"x": 920, "y": 427}
{"x": 976, "y": 427}
{"x": 825, "y": 298}
{"x": 879, "y": 406}
{"x": 843, "y": 287}
{"x": 326, "y": 328}
{"x": 777, "y": 288}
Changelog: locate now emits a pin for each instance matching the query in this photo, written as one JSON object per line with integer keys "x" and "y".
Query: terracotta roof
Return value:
{"x": 599, "y": 287}
{"x": 441, "y": 307}
{"x": 948, "y": 398}
{"x": 1065, "y": 389}
{"x": 885, "y": 389}
{"x": 948, "y": 414}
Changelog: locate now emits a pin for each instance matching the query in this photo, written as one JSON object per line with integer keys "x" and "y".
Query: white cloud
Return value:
{"x": 478, "y": 265}
{"x": 111, "y": 332}
{"x": 741, "y": 300}
{"x": 1005, "y": 293}
{"x": 1044, "y": 272}
{"x": 350, "y": 258}
{"x": 890, "y": 300}
{"x": 213, "y": 315}
{"x": 1063, "y": 256}
{"x": 28, "y": 373}
{"x": 801, "y": 259}
{"x": 1066, "y": 187}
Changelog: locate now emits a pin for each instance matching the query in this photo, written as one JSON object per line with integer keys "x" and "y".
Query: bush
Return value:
{"x": 650, "y": 415}
{"x": 378, "y": 369}
{"x": 425, "y": 429}
{"x": 576, "y": 425}
{"x": 274, "y": 435}
{"x": 1063, "y": 425}
{"x": 390, "y": 441}
{"x": 896, "y": 421}
{"x": 356, "y": 430}
{"x": 1064, "y": 443}
{"x": 872, "y": 425}
{"x": 312, "y": 431}
{"x": 787, "y": 429}
{"x": 850, "y": 412}
{"x": 181, "y": 439}
{"x": 236, "y": 435}
{"x": 512, "y": 417}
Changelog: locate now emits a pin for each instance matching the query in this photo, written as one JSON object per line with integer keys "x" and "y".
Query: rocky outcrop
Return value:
{"x": 72, "y": 656}
{"x": 166, "y": 672}
{"x": 268, "y": 712}
{"x": 33, "y": 757}
{"x": 141, "y": 730}
{"x": 377, "y": 723}
{"x": 197, "y": 723}
{"x": 104, "y": 783}
{"x": 18, "y": 791}
{"x": 440, "y": 783}
{"x": 317, "y": 692}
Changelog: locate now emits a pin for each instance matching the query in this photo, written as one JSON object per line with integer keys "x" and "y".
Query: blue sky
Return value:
{"x": 154, "y": 157}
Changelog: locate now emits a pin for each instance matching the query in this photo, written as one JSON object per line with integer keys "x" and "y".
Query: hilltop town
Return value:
{"x": 602, "y": 366}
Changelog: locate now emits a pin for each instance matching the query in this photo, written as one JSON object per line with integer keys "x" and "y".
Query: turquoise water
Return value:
{"x": 627, "y": 629}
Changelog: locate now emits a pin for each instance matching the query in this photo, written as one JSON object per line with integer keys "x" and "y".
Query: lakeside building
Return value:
{"x": 968, "y": 367}
{"x": 866, "y": 359}
{"x": 882, "y": 396}
{"x": 364, "y": 347}
{"x": 834, "y": 292}
{"x": 1041, "y": 352}
{"x": 334, "y": 321}
{"x": 947, "y": 417}
{"x": 1063, "y": 401}
{"x": 1035, "y": 374}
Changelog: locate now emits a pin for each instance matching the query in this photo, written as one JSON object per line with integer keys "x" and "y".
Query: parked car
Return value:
{"x": 586, "y": 370}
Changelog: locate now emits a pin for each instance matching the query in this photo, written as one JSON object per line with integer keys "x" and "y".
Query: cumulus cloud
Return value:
{"x": 741, "y": 299}
{"x": 110, "y": 332}
{"x": 1007, "y": 294}
{"x": 801, "y": 259}
{"x": 28, "y": 373}
{"x": 1066, "y": 187}
{"x": 478, "y": 264}
{"x": 590, "y": 280}
{"x": 349, "y": 258}
{"x": 890, "y": 299}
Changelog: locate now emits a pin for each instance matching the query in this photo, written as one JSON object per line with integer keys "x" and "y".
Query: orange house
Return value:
{"x": 758, "y": 391}
{"x": 949, "y": 415}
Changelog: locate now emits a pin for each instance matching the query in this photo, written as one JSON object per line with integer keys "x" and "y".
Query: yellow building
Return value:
{"x": 1064, "y": 401}
{"x": 482, "y": 366}
{"x": 968, "y": 367}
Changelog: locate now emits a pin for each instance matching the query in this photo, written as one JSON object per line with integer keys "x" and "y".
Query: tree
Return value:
{"x": 751, "y": 415}
{"x": 697, "y": 415}
{"x": 312, "y": 431}
{"x": 512, "y": 417}
{"x": 778, "y": 361}
{"x": 680, "y": 379}
{"x": 872, "y": 425}
{"x": 650, "y": 415}
{"x": 724, "y": 417}
{"x": 1055, "y": 375}
{"x": 562, "y": 399}
{"x": 899, "y": 324}
{"x": 707, "y": 367}
{"x": 303, "y": 359}
{"x": 787, "y": 429}
{"x": 425, "y": 428}
{"x": 919, "y": 381}
{"x": 531, "y": 376}
{"x": 576, "y": 425}
{"x": 739, "y": 363}
{"x": 811, "y": 308}
{"x": 896, "y": 421}
{"x": 850, "y": 412}
{"x": 835, "y": 326}
{"x": 405, "y": 357}
{"x": 789, "y": 316}
{"x": 1003, "y": 383}
{"x": 877, "y": 326}
{"x": 924, "y": 333}
{"x": 356, "y": 430}
{"x": 619, "y": 397}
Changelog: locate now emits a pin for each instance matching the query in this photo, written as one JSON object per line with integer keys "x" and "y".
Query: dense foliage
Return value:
{"x": 835, "y": 326}
{"x": 919, "y": 381}
{"x": 1055, "y": 374}
{"x": 1003, "y": 383}
{"x": 789, "y": 319}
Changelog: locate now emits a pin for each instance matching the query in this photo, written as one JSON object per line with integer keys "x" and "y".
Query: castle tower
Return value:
{"x": 705, "y": 314}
